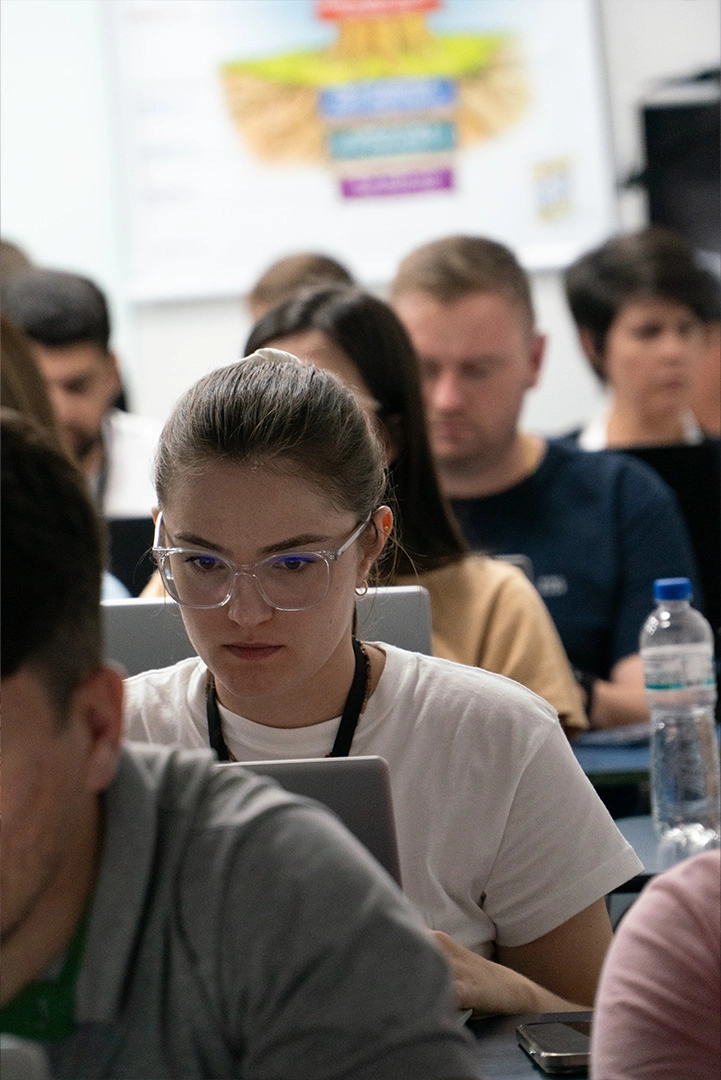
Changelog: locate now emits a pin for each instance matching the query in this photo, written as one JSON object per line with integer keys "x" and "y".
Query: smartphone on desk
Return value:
{"x": 559, "y": 1048}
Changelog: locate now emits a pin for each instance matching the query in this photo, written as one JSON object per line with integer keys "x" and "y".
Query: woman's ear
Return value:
{"x": 374, "y": 541}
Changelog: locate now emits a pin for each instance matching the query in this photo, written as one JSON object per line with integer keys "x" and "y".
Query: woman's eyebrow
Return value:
{"x": 303, "y": 540}
{"x": 193, "y": 540}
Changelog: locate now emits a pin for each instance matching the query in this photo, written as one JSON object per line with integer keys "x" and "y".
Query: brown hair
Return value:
{"x": 272, "y": 409}
{"x": 286, "y": 276}
{"x": 22, "y": 386}
{"x": 455, "y": 266}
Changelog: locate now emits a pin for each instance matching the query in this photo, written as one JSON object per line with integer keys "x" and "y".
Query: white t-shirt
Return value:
{"x": 501, "y": 835}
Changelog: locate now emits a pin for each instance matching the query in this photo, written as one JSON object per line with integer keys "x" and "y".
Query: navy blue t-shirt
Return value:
{"x": 599, "y": 529}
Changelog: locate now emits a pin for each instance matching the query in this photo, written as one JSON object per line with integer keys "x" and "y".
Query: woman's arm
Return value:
{"x": 622, "y": 699}
{"x": 557, "y": 972}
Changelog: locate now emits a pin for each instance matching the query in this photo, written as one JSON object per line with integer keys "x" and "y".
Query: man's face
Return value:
{"x": 83, "y": 382}
{"x": 45, "y": 800}
{"x": 478, "y": 358}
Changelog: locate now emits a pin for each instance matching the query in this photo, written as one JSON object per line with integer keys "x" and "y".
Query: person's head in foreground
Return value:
{"x": 359, "y": 338}
{"x": 466, "y": 304}
{"x": 641, "y": 302}
{"x": 66, "y": 318}
{"x": 161, "y": 916}
{"x": 61, "y": 706}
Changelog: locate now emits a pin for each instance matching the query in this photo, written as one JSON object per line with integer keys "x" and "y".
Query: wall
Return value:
{"x": 61, "y": 199}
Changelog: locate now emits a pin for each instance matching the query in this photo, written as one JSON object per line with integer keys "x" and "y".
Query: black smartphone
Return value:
{"x": 560, "y": 1048}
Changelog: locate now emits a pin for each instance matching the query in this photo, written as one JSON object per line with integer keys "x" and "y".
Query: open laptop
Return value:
{"x": 356, "y": 789}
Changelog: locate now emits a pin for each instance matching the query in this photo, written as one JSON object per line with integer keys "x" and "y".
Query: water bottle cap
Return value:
{"x": 672, "y": 588}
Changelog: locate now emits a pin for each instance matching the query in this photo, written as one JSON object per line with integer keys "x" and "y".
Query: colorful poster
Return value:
{"x": 361, "y": 128}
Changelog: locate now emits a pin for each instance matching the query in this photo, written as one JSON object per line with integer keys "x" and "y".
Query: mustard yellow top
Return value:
{"x": 486, "y": 613}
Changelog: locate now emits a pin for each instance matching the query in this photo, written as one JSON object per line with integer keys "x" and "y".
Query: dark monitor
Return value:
{"x": 682, "y": 135}
{"x": 131, "y": 540}
{"x": 694, "y": 474}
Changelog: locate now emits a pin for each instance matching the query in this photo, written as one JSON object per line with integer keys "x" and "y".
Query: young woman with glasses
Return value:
{"x": 484, "y": 611}
{"x": 271, "y": 486}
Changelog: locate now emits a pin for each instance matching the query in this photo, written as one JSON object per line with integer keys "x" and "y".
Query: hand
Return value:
{"x": 488, "y": 987}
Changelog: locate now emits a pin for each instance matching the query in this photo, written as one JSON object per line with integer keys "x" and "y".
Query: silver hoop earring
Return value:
{"x": 362, "y": 591}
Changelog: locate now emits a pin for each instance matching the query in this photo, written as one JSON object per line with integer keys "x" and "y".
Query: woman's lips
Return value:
{"x": 253, "y": 652}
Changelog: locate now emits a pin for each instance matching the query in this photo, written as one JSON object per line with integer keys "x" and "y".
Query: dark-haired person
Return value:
{"x": 285, "y": 277}
{"x": 23, "y": 388}
{"x": 161, "y": 917}
{"x": 646, "y": 311}
{"x": 66, "y": 318}
{"x": 641, "y": 302}
{"x": 484, "y": 612}
{"x": 271, "y": 488}
{"x": 598, "y": 529}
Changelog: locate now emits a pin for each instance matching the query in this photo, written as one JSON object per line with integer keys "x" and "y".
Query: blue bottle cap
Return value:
{"x": 672, "y": 588}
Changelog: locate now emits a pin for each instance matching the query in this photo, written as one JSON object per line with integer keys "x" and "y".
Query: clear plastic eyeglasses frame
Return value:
{"x": 290, "y": 560}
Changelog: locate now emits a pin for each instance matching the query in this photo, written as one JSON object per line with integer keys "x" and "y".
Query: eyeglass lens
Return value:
{"x": 290, "y": 582}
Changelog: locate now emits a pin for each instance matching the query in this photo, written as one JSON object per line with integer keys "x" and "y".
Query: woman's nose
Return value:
{"x": 247, "y": 605}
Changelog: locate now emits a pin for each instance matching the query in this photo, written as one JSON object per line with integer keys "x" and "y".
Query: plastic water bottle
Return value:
{"x": 678, "y": 666}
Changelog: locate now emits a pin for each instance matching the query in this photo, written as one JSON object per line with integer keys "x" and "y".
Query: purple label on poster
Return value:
{"x": 408, "y": 183}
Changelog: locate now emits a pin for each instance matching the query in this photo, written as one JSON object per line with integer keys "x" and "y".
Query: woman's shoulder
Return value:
{"x": 450, "y": 688}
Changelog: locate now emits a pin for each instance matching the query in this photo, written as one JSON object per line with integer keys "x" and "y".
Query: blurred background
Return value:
{"x": 73, "y": 72}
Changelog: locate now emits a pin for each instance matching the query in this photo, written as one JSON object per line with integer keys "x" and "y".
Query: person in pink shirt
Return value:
{"x": 658, "y": 1008}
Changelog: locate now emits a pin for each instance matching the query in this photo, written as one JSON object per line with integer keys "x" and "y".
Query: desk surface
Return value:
{"x": 656, "y": 855}
{"x": 499, "y": 1055}
{"x": 622, "y": 763}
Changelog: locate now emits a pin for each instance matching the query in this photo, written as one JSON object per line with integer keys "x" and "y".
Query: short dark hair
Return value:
{"x": 293, "y": 272}
{"x": 371, "y": 335}
{"x": 651, "y": 263}
{"x": 52, "y": 560}
{"x": 457, "y": 266}
{"x": 56, "y": 308}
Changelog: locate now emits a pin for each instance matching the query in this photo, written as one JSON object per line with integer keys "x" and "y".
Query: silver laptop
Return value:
{"x": 146, "y": 634}
{"x": 356, "y": 789}
{"x": 22, "y": 1059}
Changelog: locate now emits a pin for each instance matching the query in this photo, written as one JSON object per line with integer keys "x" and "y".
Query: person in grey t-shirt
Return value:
{"x": 161, "y": 917}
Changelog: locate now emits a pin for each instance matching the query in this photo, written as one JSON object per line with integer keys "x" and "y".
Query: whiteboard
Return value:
{"x": 250, "y": 129}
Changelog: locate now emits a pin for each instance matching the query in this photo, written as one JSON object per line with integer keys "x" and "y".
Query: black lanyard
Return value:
{"x": 348, "y": 722}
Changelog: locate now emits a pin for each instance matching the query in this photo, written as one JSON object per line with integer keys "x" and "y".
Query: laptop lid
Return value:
{"x": 145, "y": 634}
{"x": 22, "y": 1059}
{"x": 356, "y": 789}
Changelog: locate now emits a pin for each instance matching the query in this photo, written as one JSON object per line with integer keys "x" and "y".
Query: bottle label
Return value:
{"x": 678, "y": 667}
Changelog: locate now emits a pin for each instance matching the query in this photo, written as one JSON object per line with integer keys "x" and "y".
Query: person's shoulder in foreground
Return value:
{"x": 161, "y": 918}
{"x": 658, "y": 1009}
{"x": 256, "y": 938}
